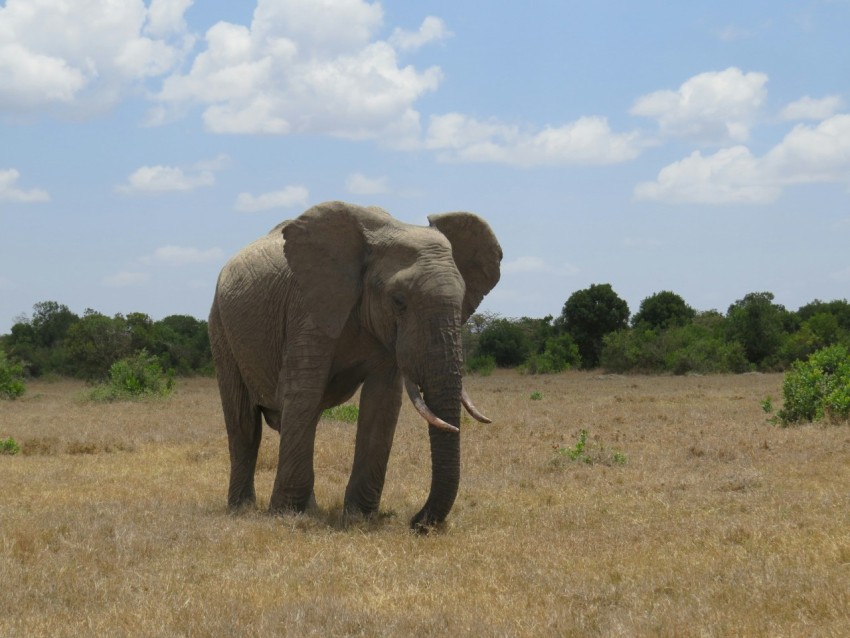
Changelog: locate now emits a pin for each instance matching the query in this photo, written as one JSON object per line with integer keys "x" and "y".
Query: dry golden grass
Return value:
{"x": 113, "y": 522}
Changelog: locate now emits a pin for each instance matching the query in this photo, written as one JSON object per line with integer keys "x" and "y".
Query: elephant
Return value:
{"x": 340, "y": 298}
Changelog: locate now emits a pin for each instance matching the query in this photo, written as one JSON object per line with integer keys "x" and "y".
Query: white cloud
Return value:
{"x": 728, "y": 176}
{"x": 125, "y": 279}
{"x": 164, "y": 179}
{"x": 303, "y": 67}
{"x": 85, "y": 54}
{"x": 588, "y": 140}
{"x": 713, "y": 107}
{"x": 181, "y": 255}
{"x": 286, "y": 198}
{"x": 431, "y": 30}
{"x": 10, "y": 193}
{"x": 807, "y": 154}
{"x": 165, "y": 17}
{"x": 807, "y": 108}
{"x": 359, "y": 184}
{"x": 813, "y": 154}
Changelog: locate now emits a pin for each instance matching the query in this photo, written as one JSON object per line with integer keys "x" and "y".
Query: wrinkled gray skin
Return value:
{"x": 339, "y": 297}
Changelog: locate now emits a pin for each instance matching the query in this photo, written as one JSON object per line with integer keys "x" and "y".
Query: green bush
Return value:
{"x": 482, "y": 364}
{"x": 9, "y": 446}
{"x": 134, "y": 377}
{"x": 11, "y": 378}
{"x": 345, "y": 412}
{"x": 818, "y": 388}
{"x": 560, "y": 353}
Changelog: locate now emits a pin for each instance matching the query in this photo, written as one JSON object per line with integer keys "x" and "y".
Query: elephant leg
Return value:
{"x": 302, "y": 388}
{"x": 244, "y": 431}
{"x": 380, "y": 402}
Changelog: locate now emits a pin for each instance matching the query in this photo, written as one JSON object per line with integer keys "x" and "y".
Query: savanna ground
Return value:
{"x": 113, "y": 520}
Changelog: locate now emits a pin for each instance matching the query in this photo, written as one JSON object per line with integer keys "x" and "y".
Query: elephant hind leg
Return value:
{"x": 244, "y": 427}
{"x": 244, "y": 431}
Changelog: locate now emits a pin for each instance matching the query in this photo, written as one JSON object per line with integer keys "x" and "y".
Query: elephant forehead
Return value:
{"x": 415, "y": 242}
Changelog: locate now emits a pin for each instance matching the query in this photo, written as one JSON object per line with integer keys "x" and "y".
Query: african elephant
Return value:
{"x": 338, "y": 298}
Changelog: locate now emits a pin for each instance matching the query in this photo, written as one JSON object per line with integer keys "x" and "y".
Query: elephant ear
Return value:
{"x": 476, "y": 252}
{"x": 326, "y": 250}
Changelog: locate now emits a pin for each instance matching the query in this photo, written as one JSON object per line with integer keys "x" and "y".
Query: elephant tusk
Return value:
{"x": 473, "y": 411}
{"x": 423, "y": 409}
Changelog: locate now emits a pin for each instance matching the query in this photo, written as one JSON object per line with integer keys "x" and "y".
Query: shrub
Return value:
{"x": 135, "y": 377}
{"x": 505, "y": 341}
{"x": 560, "y": 353}
{"x": 11, "y": 378}
{"x": 345, "y": 412}
{"x": 482, "y": 364}
{"x": 9, "y": 446}
{"x": 818, "y": 388}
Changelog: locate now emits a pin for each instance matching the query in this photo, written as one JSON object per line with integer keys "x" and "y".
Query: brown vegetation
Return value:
{"x": 113, "y": 521}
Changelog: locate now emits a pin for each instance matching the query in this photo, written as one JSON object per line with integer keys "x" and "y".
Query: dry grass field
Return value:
{"x": 113, "y": 520}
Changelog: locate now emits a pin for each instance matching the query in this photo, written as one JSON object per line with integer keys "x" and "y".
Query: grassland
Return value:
{"x": 112, "y": 520}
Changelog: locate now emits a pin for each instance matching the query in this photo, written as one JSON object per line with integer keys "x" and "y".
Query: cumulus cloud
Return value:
{"x": 85, "y": 54}
{"x": 714, "y": 107}
{"x": 588, "y": 140}
{"x": 431, "y": 30}
{"x": 182, "y": 255}
{"x": 304, "y": 67}
{"x": 359, "y": 184}
{"x": 9, "y": 192}
{"x": 807, "y": 154}
{"x": 164, "y": 179}
{"x": 125, "y": 279}
{"x": 807, "y": 108}
{"x": 286, "y": 198}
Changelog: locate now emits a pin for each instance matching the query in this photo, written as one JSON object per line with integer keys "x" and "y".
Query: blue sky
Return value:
{"x": 702, "y": 148}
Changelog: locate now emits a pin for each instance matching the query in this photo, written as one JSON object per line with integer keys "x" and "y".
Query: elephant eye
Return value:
{"x": 399, "y": 303}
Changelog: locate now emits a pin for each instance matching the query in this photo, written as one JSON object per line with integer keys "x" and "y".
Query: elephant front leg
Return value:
{"x": 293, "y": 484}
{"x": 380, "y": 402}
{"x": 301, "y": 390}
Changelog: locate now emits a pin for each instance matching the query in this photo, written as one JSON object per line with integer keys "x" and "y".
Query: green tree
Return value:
{"x": 589, "y": 315}
{"x": 50, "y": 322}
{"x": 506, "y": 341}
{"x": 838, "y": 308}
{"x": 95, "y": 342}
{"x": 663, "y": 310}
{"x": 38, "y": 341}
{"x": 182, "y": 342}
{"x": 758, "y": 325}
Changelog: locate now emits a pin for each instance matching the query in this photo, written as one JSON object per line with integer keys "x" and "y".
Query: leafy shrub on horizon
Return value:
{"x": 818, "y": 388}
{"x": 699, "y": 346}
{"x": 11, "y": 378}
{"x": 482, "y": 364}
{"x": 560, "y": 353}
{"x": 135, "y": 377}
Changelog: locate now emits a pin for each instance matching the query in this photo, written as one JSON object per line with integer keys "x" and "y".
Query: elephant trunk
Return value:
{"x": 442, "y": 392}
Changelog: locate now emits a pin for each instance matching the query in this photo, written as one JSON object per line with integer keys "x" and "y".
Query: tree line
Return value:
{"x": 595, "y": 329}
{"x": 54, "y": 340}
{"x": 666, "y": 335}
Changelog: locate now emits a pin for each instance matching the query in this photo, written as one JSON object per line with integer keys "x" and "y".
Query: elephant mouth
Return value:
{"x": 413, "y": 392}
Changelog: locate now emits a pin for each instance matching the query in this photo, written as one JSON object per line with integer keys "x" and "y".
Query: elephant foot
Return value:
{"x": 241, "y": 500}
{"x": 283, "y": 506}
{"x": 424, "y": 523}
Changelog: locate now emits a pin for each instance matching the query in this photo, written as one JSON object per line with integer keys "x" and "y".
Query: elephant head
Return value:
{"x": 411, "y": 289}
